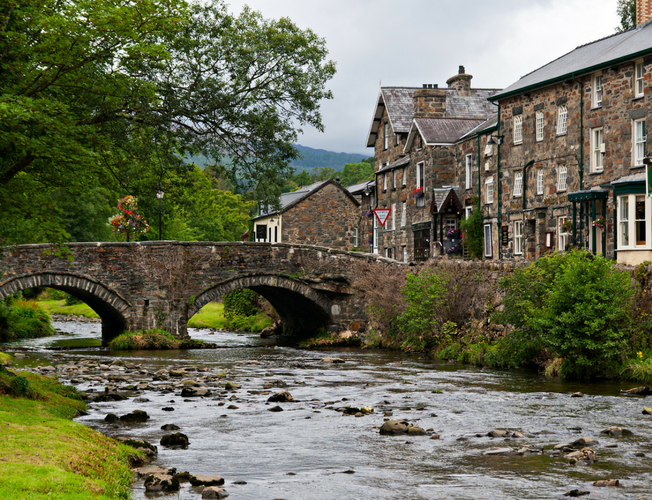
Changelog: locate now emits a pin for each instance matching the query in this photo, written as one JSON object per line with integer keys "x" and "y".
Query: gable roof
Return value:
{"x": 587, "y": 58}
{"x": 441, "y": 131}
{"x": 288, "y": 200}
{"x": 441, "y": 196}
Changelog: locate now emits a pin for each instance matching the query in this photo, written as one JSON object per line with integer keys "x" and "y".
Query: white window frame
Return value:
{"x": 518, "y": 237}
{"x": 562, "y": 178}
{"x": 539, "y": 126}
{"x": 405, "y": 254}
{"x": 386, "y": 136}
{"x": 518, "y": 184}
{"x": 385, "y": 181}
{"x": 562, "y": 236}
{"x": 597, "y": 142}
{"x": 393, "y": 216}
{"x": 488, "y": 246}
{"x": 468, "y": 211}
{"x": 394, "y": 185}
{"x": 639, "y": 74}
{"x": 518, "y": 129}
{"x": 421, "y": 172}
{"x": 469, "y": 178}
{"x": 638, "y": 153}
{"x": 598, "y": 90}
{"x": 562, "y": 120}
{"x": 540, "y": 181}
{"x": 489, "y": 190}
{"x": 624, "y": 230}
{"x": 405, "y": 172}
{"x": 626, "y": 220}
{"x": 355, "y": 237}
{"x": 403, "y": 214}
{"x": 398, "y": 139}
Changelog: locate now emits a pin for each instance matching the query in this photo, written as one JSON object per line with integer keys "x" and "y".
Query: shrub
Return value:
{"x": 575, "y": 306}
{"x": 473, "y": 233}
{"x": 242, "y": 302}
{"x": 23, "y": 319}
{"x": 71, "y": 300}
{"x": 153, "y": 339}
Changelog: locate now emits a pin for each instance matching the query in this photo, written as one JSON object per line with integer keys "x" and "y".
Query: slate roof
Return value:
{"x": 488, "y": 123}
{"x": 445, "y": 130}
{"x": 587, "y": 58}
{"x": 475, "y": 106}
{"x": 395, "y": 164}
{"x": 357, "y": 189}
{"x": 440, "y": 195}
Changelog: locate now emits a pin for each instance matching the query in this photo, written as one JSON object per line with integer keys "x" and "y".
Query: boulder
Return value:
{"x": 328, "y": 359}
{"x": 275, "y": 409}
{"x": 584, "y": 441}
{"x": 231, "y": 386}
{"x": 604, "y": 483}
{"x": 367, "y": 409}
{"x": 161, "y": 483}
{"x": 214, "y": 493}
{"x": 108, "y": 397}
{"x": 140, "y": 444}
{"x": 176, "y": 440}
{"x": 498, "y": 433}
{"x": 194, "y": 392}
{"x": 647, "y": 410}
{"x": 135, "y": 416}
{"x": 638, "y": 391}
{"x": 281, "y": 397}
{"x": 206, "y": 480}
{"x": 503, "y": 452}
{"x": 576, "y": 493}
{"x": 170, "y": 427}
{"x": 414, "y": 430}
{"x": 616, "y": 432}
{"x": 398, "y": 427}
{"x": 111, "y": 417}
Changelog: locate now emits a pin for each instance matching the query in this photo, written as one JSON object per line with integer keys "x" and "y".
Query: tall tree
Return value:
{"x": 627, "y": 11}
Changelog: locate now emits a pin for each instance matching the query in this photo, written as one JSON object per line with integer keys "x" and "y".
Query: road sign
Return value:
{"x": 382, "y": 214}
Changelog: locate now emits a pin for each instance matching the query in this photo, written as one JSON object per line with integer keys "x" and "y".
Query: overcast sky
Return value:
{"x": 411, "y": 42}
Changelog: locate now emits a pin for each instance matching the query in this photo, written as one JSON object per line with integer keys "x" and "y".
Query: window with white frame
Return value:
{"x": 638, "y": 79}
{"x": 385, "y": 181}
{"x": 623, "y": 221}
{"x": 539, "y": 126}
{"x": 518, "y": 237}
{"x": 468, "y": 211}
{"x": 487, "y": 240}
{"x": 393, "y": 216}
{"x": 640, "y": 137}
{"x": 562, "y": 234}
{"x": 405, "y": 171}
{"x": 562, "y": 173}
{"x": 394, "y": 184}
{"x": 518, "y": 129}
{"x": 562, "y": 120}
{"x": 404, "y": 254}
{"x": 540, "y": 181}
{"x": 631, "y": 220}
{"x": 398, "y": 139}
{"x": 403, "y": 214}
{"x": 518, "y": 184}
{"x": 597, "y": 90}
{"x": 386, "y": 136}
{"x": 639, "y": 221}
{"x": 489, "y": 190}
{"x": 420, "y": 174}
{"x": 468, "y": 172}
{"x": 597, "y": 146}
{"x": 355, "y": 237}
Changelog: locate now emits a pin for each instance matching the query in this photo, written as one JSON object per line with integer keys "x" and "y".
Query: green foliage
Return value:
{"x": 627, "y": 12}
{"x": 153, "y": 339}
{"x": 21, "y": 319}
{"x": 576, "y": 307}
{"x": 312, "y": 159}
{"x": 71, "y": 300}
{"x": 209, "y": 316}
{"x": 639, "y": 369}
{"x": 243, "y": 302}
{"x": 354, "y": 173}
{"x": 473, "y": 234}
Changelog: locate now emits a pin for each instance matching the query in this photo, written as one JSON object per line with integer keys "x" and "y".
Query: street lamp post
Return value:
{"x": 159, "y": 195}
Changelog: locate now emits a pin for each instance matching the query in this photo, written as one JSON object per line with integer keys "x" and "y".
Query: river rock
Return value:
{"x": 281, "y": 397}
{"x": 178, "y": 440}
{"x": 584, "y": 441}
{"x": 161, "y": 482}
{"x": 177, "y": 373}
{"x": 206, "y": 480}
{"x": 367, "y": 409}
{"x": 190, "y": 392}
{"x": 638, "y": 391}
{"x": 398, "y": 427}
{"x": 328, "y": 359}
{"x": 170, "y": 427}
{"x": 275, "y": 409}
{"x": 415, "y": 430}
{"x": 647, "y": 410}
{"x": 586, "y": 455}
{"x": 135, "y": 416}
{"x": 604, "y": 483}
{"x": 577, "y": 395}
{"x": 503, "y": 452}
{"x": 111, "y": 417}
{"x": 109, "y": 397}
{"x": 213, "y": 493}
{"x": 616, "y": 432}
{"x": 231, "y": 386}
{"x": 148, "y": 471}
{"x": 498, "y": 433}
{"x": 149, "y": 449}
{"x": 576, "y": 493}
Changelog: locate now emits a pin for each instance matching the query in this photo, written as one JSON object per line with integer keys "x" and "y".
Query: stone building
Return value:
{"x": 323, "y": 213}
{"x": 416, "y": 134}
{"x": 365, "y": 193}
{"x": 570, "y": 167}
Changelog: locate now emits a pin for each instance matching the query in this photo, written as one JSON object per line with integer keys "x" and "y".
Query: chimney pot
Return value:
{"x": 425, "y": 85}
{"x": 462, "y": 71}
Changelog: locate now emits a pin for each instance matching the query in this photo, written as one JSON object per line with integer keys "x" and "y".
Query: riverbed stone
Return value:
{"x": 616, "y": 432}
{"x": 214, "y": 493}
{"x": 231, "y": 386}
{"x": 176, "y": 440}
{"x": 329, "y": 359}
{"x": 135, "y": 416}
{"x": 647, "y": 410}
{"x": 206, "y": 480}
{"x": 111, "y": 417}
{"x": 498, "y": 433}
{"x": 170, "y": 427}
{"x": 275, "y": 409}
{"x": 192, "y": 392}
{"x": 576, "y": 493}
{"x": 153, "y": 469}
{"x": 281, "y": 397}
{"x": 585, "y": 441}
{"x": 161, "y": 483}
{"x": 140, "y": 444}
{"x": 607, "y": 483}
{"x": 638, "y": 391}
{"x": 503, "y": 452}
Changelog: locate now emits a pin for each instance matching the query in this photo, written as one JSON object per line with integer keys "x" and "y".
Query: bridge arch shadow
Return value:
{"x": 303, "y": 311}
{"x": 110, "y": 306}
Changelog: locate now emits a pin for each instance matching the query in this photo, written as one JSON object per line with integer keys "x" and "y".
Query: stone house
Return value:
{"x": 569, "y": 169}
{"x": 365, "y": 193}
{"x": 416, "y": 134}
{"x": 323, "y": 213}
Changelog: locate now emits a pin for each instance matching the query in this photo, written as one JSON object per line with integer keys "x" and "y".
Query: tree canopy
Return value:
{"x": 100, "y": 95}
{"x": 627, "y": 12}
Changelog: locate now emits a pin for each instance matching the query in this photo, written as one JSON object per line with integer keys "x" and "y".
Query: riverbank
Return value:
{"x": 45, "y": 455}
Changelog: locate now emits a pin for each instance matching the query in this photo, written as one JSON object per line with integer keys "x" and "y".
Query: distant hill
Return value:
{"x": 312, "y": 158}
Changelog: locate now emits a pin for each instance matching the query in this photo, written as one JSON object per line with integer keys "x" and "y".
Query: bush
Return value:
{"x": 473, "y": 233}
{"x": 242, "y": 302}
{"x": 153, "y": 339}
{"x": 573, "y": 306}
{"x": 71, "y": 300}
{"x": 23, "y": 319}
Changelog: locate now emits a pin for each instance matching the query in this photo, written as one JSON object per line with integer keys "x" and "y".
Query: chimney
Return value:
{"x": 643, "y": 11}
{"x": 462, "y": 82}
{"x": 429, "y": 102}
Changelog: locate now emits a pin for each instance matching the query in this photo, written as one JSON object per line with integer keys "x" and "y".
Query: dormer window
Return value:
{"x": 597, "y": 90}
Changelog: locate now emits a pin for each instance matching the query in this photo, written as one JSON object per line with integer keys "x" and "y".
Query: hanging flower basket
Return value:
{"x": 453, "y": 234}
{"x": 454, "y": 249}
{"x": 601, "y": 223}
{"x": 369, "y": 213}
{"x": 566, "y": 226}
{"x": 418, "y": 192}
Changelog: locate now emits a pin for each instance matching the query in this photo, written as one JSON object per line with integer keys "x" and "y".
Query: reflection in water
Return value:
{"x": 302, "y": 452}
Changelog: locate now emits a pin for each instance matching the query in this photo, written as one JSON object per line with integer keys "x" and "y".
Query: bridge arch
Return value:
{"x": 109, "y": 305}
{"x": 303, "y": 311}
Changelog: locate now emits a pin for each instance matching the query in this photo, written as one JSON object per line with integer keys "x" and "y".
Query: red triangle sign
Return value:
{"x": 382, "y": 214}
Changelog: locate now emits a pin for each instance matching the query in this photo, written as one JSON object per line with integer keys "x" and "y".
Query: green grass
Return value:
{"x": 153, "y": 339}
{"x": 5, "y": 359}
{"x": 44, "y": 455}
{"x": 638, "y": 370}
{"x": 59, "y": 307}
{"x": 209, "y": 316}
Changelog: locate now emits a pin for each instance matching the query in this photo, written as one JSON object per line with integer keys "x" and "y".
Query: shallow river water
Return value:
{"x": 311, "y": 451}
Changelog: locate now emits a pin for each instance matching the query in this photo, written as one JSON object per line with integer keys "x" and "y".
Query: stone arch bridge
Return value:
{"x": 135, "y": 286}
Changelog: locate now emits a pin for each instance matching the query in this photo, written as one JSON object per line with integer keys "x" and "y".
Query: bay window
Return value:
{"x": 632, "y": 221}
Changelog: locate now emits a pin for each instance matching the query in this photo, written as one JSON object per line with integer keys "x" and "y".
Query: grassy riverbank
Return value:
{"x": 60, "y": 307}
{"x": 45, "y": 455}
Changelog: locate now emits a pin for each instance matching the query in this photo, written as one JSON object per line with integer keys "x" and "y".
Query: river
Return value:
{"x": 311, "y": 451}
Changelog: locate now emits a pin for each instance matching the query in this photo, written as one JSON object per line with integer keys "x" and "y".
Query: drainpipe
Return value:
{"x": 500, "y": 253}
{"x": 581, "y": 169}
{"x": 527, "y": 165}
{"x": 479, "y": 192}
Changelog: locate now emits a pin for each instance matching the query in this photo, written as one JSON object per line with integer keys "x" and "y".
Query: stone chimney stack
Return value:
{"x": 462, "y": 82}
{"x": 429, "y": 102}
{"x": 643, "y": 11}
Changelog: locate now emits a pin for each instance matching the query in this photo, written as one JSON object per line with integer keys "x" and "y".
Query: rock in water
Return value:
{"x": 498, "y": 433}
{"x": 214, "y": 493}
{"x": 178, "y": 440}
{"x": 205, "y": 480}
{"x": 585, "y": 441}
{"x": 275, "y": 409}
{"x": 170, "y": 427}
{"x": 394, "y": 427}
{"x": 161, "y": 482}
{"x": 638, "y": 391}
{"x": 281, "y": 397}
{"x": 616, "y": 432}
{"x": 576, "y": 493}
{"x": 111, "y": 417}
{"x": 603, "y": 483}
{"x": 135, "y": 416}
{"x": 194, "y": 392}
{"x": 647, "y": 410}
